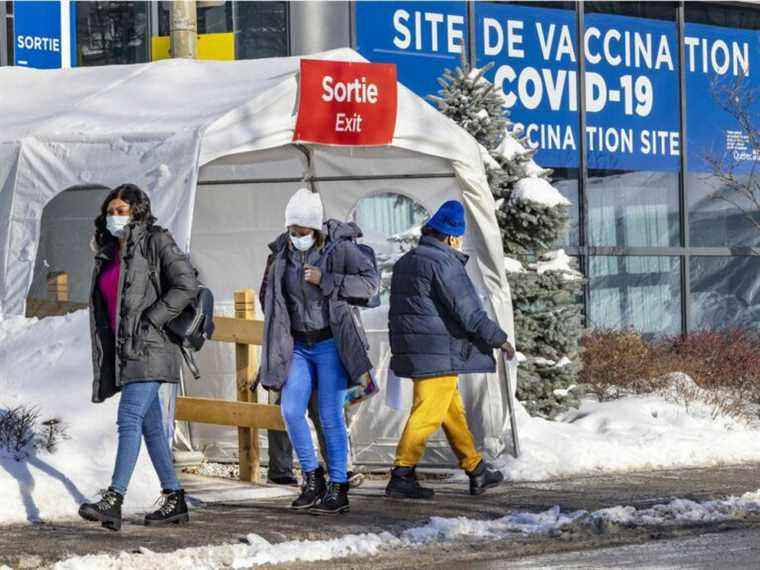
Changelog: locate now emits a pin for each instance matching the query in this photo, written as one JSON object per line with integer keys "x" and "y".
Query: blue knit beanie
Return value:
{"x": 449, "y": 219}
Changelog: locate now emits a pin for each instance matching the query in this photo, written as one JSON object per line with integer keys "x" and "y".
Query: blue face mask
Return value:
{"x": 303, "y": 243}
{"x": 116, "y": 225}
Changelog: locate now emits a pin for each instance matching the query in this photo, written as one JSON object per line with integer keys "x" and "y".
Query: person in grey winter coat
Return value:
{"x": 140, "y": 281}
{"x": 314, "y": 340}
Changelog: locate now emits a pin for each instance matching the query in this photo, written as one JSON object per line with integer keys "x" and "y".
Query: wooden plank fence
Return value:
{"x": 243, "y": 330}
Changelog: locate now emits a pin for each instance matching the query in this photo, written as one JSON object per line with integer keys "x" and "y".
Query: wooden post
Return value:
{"x": 58, "y": 286}
{"x": 246, "y": 368}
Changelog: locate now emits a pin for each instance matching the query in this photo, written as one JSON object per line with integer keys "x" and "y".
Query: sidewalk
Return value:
{"x": 228, "y": 510}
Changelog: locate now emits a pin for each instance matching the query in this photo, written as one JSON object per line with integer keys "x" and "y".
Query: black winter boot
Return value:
{"x": 173, "y": 509}
{"x": 484, "y": 477}
{"x": 107, "y": 511}
{"x": 312, "y": 489}
{"x": 404, "y": 485}
{"x": 334, "y": 501}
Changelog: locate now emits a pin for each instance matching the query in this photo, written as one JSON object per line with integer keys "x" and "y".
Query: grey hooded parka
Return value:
{"x": 348, "y": 276}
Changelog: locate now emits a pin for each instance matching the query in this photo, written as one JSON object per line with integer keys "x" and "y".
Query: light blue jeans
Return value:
{"x": 140, "y": 416}
{"x": 317, "y": 366}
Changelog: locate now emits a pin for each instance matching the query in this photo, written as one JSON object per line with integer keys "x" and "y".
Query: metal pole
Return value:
{"x": 583, "y": 215}
{"x": 682, "y": 197}
{"x": 5, "y": 57}
{"x": 184, "y": 29}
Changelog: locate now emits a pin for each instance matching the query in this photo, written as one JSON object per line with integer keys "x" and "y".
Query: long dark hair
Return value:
{"x": 138, "y": 202}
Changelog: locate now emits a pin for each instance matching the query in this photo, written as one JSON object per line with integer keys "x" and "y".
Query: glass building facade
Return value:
{"x": 667, "y": 243}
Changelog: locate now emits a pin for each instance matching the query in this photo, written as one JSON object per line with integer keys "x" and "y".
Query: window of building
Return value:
{"x": 262, "y": 30}
{"x": 111, "y": 33}
{"x": 642, "y": 293}
{"x": 213, "y": 17}
{"x": 723, "y": 186}
{"x": 725, "y": 292}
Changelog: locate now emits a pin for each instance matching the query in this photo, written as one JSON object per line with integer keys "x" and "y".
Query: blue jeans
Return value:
{"x": 317, "y": 366}
{"x": 140, "y": 416}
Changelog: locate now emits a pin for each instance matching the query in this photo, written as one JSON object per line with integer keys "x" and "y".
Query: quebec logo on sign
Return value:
{"x": 44, "y": 35}
{"x": 346, "y": 103}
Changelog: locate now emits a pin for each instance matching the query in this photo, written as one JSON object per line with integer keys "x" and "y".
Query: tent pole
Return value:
{"x": 308, "y": 175}
{"x": 511, "y": 405}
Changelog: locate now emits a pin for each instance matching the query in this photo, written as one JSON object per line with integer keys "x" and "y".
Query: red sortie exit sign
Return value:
{"x": 346, "y": 103}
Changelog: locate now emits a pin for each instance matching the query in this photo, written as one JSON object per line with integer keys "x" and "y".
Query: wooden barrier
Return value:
{"x": 246, "y": 414}
{"x": 57, "y": 302}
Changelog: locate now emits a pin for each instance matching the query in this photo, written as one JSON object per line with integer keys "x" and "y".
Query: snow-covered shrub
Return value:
{"x": 22, "y": 434}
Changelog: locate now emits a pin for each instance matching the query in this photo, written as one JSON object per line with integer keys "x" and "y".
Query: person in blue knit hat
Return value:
{"x": 439, "y": 330}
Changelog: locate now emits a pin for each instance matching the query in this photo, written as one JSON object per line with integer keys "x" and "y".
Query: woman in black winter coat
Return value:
{"x": 141, "y": 280}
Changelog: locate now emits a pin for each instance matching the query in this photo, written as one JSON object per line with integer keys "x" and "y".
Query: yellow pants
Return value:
{"x": 437, "y": 403}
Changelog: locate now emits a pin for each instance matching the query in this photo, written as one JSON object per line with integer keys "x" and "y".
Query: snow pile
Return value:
{"x": 257, "y": 551}
{"x": 510, "y": 148}
{"x": 632, "y": 433}
{"x": 539, "y": 191}
{"x": 684, "y": 511}
{"x": 47, "y": 364}
{"x": 556, "y": 260}
{"x": 512, "y": 265}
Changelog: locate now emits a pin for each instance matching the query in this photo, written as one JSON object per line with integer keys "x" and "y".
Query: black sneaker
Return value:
{"x": 355, "y": 479}
{"x": 312, "y": 489}
{"x": 173, "y": 510}
{"x": 404, "y": 485}
{"x": 107, "y": 511}
{"x": 284, "y": 480}
{"x": 334, "y": 501}
{"x": 484, "y": 477}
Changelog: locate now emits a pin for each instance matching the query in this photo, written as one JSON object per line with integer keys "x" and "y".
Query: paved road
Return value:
{"x": 227, "y": 521}
{"x": 738, "y": 550}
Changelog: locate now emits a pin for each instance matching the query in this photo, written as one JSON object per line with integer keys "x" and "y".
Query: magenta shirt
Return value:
{"x": 108, "y": 282}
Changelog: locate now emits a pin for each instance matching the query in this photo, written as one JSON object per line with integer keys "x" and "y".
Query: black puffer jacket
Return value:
{"x": 151, "y": 262}
{"x": 347, "y": 276}
{"x": 437, "y": 324}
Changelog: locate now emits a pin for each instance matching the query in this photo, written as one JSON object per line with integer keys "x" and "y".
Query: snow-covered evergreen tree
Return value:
{"x": 532, "y": 215}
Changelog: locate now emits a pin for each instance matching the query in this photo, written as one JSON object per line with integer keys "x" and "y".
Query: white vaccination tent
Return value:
{"x": 212, "y": 144}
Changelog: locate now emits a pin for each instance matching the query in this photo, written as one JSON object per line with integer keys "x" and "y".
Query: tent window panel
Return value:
{"x": 66, "y": 229}
{"x": 391, "y": 225}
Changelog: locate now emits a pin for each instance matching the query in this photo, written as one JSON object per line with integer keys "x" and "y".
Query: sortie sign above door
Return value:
{"x": 346, "y": 103}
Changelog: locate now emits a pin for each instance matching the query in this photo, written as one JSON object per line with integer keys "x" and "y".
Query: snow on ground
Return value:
{"x": 257, "y": 551}
{"x": 631, "y": 433}
{"x": 46, "y": 363}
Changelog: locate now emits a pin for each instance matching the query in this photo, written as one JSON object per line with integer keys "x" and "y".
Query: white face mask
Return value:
{"x": 116, "y": 225}
{"x": 303, "y": 243}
